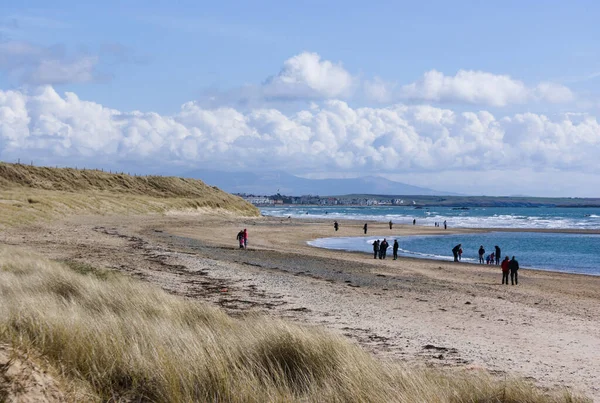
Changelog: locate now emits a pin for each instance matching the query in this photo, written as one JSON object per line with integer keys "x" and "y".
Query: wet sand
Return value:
{"x": 421, "y": 312}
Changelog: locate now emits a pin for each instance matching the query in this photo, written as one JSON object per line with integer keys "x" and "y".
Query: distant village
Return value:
{"x": 323, "y": 201}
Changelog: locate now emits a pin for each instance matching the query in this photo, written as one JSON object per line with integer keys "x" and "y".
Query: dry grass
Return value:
{"x": 131, "y": 341}
{"x": 29, "y": 194}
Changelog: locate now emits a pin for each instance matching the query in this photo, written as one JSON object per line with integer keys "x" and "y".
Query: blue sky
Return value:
{"x": 495, "y": 98}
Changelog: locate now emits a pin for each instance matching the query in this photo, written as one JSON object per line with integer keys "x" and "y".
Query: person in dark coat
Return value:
{"x": 375, "y": 249}
{"x": 365, "y": 228}
{"x": 240, "y": 238}
{"x": 391, "y": 223}
{"x": 383, "y": 249}
{"x": 445, "y": 225}
{"x": 395, "y": 249}
{"x": 513, "y": 265}
{"x": 497, "y": 254}
{"x": 336, "y": 226}
{"x": 455, "y": 251}
{"x": 481, "y": 253}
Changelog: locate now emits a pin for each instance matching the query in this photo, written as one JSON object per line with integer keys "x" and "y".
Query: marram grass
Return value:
{"x": 127, "y": 340}
{"x": 29, "y": 194}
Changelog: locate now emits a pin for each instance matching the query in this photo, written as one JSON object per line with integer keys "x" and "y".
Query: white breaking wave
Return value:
{"x": 461, "y": 219}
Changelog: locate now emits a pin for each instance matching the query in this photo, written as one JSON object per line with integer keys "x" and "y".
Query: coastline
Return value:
{"x": 448, "y": 258}
{"x": 416, "y": 311}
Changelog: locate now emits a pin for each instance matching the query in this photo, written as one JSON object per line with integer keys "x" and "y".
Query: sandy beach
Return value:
{"x": 421, "y": 312}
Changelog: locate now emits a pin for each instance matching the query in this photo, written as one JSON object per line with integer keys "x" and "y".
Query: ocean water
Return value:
{"x": 564, "y": 252}
{"x": 572, "y": 253}
{"x": 474, "y": 217}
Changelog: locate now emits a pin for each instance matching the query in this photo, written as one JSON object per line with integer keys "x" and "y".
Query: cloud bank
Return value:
{"x": 329, "y": 137}
{"x": 478, "y": 87}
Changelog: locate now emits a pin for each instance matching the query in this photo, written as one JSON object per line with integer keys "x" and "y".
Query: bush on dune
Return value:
{"x": 130, "y": 340}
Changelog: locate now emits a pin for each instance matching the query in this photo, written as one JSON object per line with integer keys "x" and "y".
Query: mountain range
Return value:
{"x": 270, "y": 183}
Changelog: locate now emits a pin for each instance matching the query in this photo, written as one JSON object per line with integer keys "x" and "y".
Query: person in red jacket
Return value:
{"x": 245, "y": 238}
{"x": 505, "y": 270}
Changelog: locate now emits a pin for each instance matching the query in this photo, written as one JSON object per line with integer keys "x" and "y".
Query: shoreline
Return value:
{"x": 439, "y": 231}
{"x": 412, "y": 311}
{"x": 449, "y": 260}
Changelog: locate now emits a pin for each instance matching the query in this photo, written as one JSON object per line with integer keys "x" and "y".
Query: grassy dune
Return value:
{"x": 29, "y": 193}
{"x": 127, "y": 340}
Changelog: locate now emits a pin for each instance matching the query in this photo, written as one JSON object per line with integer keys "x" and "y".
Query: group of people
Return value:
{"x": 511, "y": 266}
{"x": 492, "y": 258}
{"x": 380, "y": 249}
{"x": 508, "y": 265}
{"x": 437, "y": 224}
{"x": 242, "y": 238}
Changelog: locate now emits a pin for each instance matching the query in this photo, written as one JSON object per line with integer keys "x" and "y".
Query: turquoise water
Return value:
{"x": 573, "y": 253}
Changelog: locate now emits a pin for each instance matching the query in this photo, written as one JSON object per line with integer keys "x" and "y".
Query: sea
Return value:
{"x": 551, "y": 249}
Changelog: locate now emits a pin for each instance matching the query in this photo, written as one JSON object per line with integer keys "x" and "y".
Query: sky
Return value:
{"x": 473, "y": 97}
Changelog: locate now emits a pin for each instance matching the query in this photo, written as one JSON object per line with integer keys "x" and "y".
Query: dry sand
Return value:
{"x": 422, "y": 312}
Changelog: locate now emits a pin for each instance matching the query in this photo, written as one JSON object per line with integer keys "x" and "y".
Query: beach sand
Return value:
{"x": 421, "y": 312}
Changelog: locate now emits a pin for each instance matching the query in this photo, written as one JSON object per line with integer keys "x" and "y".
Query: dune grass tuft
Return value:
{"x": 128, "y": 340}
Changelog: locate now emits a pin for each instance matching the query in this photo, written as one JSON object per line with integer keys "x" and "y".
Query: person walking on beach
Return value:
{"x": 245, "y": 238}
{"x": 383, "y": 249}
{"x": 445, "y": 225}
{"x": 365, "y": 228}
{"x": 240, "y": 238}
{"x": 497, "y": 254}
{"x": 505, "y": 270}
{"x": 414, "y": 221}
{"x": 391, "y": 223}
{"x": 481, "y": 253}
{"x": 375, "y": 249}
{"x": 460, "y": 254}
{"x": 336, "y": 226}
{"x": 513, "y": 265}
{"x": 455, "y": 251}
{"x": 395, "y": 249}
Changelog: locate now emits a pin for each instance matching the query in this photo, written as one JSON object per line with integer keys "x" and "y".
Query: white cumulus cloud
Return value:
{"x": 479, "y": 87}
{"x": 306, "y": 75}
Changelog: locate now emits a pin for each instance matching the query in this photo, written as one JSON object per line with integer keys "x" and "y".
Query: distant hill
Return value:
{"x": 280, "y": 182}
